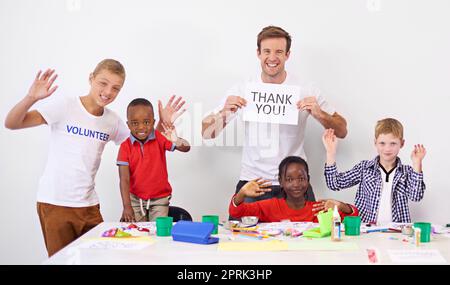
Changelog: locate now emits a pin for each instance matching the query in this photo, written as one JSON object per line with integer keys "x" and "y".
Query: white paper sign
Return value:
{"x": 271, "y": 103}
{"x": 416, "y": 256}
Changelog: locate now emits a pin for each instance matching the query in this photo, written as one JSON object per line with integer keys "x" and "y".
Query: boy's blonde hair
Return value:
{"x": 389, "y": 126}
{"x": 111, "y": 65}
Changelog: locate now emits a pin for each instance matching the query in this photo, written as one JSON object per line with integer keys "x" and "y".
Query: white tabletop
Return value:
{"x": 167, "y": 251}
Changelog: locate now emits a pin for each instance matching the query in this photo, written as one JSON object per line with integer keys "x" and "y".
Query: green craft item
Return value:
{"x": 325, "y": 223}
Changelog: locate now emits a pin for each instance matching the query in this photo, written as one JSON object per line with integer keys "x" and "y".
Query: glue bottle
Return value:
{"x": 336, "y": 226}
{"x": 417, "y": 232}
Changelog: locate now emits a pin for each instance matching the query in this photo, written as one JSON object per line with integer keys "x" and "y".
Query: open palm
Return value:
{"x": 256, "y": 187}
{"x": 169, "y": 132}
{"x": 172, "y": 111}
{"x": 42, "y": 85}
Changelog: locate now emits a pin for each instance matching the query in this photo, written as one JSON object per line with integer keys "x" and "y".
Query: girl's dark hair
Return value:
{"x": 288, "y": 160}
{"x": 283, "y": 166}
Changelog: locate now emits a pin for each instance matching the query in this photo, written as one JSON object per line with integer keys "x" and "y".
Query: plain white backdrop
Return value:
{"x": 370, "y": 59}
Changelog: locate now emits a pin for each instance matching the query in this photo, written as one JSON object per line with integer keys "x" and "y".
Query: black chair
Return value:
{"x": 179, "y": 214}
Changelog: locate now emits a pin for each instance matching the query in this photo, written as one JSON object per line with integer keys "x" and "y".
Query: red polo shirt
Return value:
{"x": 147, "y": 163}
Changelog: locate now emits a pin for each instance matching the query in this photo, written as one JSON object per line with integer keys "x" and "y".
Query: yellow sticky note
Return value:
{"x": 273, "y": 245}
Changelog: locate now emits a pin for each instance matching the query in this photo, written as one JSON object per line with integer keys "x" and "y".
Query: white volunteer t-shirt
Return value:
{"x": 77, "y": 140}
{"x": 266, "y": 144}
{"x": 385, "y": 206}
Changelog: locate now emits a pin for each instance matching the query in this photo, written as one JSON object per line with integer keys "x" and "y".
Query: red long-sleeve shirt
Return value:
{"x": 276, "y": 209}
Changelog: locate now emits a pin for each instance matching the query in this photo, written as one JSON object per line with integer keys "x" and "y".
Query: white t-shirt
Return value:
{"x": 265, "y": 144}
{"x": 385, "y": 206}
{"x": 77, "y": 141}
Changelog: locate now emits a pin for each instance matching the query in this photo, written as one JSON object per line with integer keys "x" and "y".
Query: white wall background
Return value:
{"x": 371, "y": 59}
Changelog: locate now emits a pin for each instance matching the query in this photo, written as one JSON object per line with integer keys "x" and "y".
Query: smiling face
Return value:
{"x": 141, "y": 121}
{"x": 273, "y": 56}
{"x": 388, "y": 146}
{"x": 295, "y": 181}
{"x": 105, "y": 86}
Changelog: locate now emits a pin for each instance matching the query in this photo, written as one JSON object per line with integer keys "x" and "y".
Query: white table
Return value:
{"x": 167, "y": 251}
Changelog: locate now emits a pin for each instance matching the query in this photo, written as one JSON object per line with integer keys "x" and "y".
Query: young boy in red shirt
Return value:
{"x": 144, "y": 184}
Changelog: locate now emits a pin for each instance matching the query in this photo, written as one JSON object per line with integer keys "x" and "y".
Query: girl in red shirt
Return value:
{"x": 294, "y": 180}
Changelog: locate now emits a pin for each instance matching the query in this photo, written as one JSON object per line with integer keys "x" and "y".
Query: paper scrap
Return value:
{"x": 373, "y": 255}
{"x": 134, "y": 243}
{"x": 324, "y": 244}
{"x": 273, "y": 245}
{"x": 416, "y": 256}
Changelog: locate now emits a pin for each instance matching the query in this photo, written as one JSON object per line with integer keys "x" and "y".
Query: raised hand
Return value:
{"x": 169, "y": 132}
{"x": 417, "y": 156}
{"x": 42, "y": 85}
{"x": 329, "y": 140}
{"x": 172, "y": 111}
{"x": 256, "y": 188}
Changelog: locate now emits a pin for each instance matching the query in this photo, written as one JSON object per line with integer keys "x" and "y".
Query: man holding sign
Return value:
{"x": 273, "y": 106}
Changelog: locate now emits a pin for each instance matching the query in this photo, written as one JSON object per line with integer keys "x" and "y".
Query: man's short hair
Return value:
{"x": 270, "y": 32}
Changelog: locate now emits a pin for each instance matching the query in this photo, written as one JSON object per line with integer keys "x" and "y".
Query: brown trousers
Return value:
{"x": 62, "y": 225}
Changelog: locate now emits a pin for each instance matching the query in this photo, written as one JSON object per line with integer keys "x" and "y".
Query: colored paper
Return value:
{"x": 273, "y": 245}
{"x": 324, "y": 244}
{"x": 134, "y": 243}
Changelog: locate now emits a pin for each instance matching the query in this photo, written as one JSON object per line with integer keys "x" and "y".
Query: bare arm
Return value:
{"x": 20, "y": 117}
{"x": 334, "y": 121}
{"x": 182, "y": 145}
{"x": 213, "y": 124}
{"x": 124, "y": 174}
{"x": 171, "y": 134}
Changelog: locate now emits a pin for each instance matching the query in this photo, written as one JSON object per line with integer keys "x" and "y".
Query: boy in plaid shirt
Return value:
{"x": 385, "y": 184}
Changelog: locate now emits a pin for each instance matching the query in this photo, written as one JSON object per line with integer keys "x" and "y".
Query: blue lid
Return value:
{"x": 194, "y": 232}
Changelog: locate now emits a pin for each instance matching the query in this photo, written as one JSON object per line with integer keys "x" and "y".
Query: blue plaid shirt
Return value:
{"x": 407, "y": 185}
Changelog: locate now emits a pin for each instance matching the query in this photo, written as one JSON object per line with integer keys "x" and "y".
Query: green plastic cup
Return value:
{"x": 425, "y": 231}
{"x": 352, "y": 225}
{"x": 164, "y": 226}
{"x": 212, "y": 219}
{"x": 325, "y": 221}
